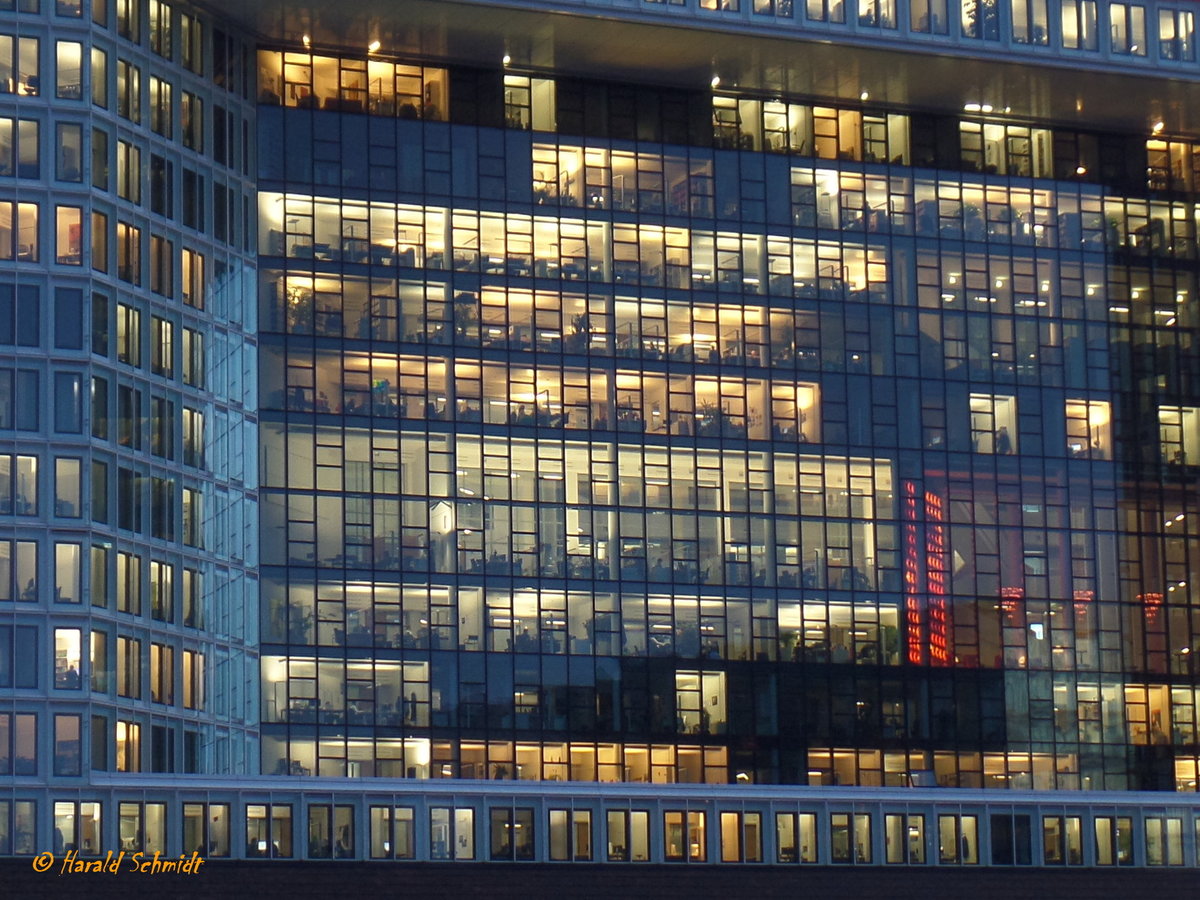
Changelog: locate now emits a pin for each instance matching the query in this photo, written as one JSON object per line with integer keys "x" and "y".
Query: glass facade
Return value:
{"x": 744, "y": 466}
{"x": 718, "y": 463}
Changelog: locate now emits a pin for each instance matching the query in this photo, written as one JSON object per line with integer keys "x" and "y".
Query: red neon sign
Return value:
{"x": 912, "y": 575}
{"x": 926, "y": 608}
{"x": 935, "y": 579}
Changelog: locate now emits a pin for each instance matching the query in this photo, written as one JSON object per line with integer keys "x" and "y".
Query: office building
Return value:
{"x": 723, "y": 431}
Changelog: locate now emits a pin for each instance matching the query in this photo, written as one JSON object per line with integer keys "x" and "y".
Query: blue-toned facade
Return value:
{"x": 746, "y": 466}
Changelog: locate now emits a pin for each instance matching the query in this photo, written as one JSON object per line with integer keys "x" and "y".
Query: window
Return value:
{"x": 67, "y": 659}
{"x": 19, "y": 65}
{"x": 451, "y": 833}
{"x": 162, "y": 261}
{"x": 68, "y": 754}
{"x": 68, "y": 235}
{"x": 206, "y": 828}
{"x": 193, "y": 438}
{"x": 904, "y": 839}
{"x": 511, "y": 834}
{"x": 129, "y": 172}
{"x": 570, "y": 835}
{"x": 162, "y": 503}
{"x": 129, "y": 253}
{"x": 700, "y": 702}
{"x": 1029, "y": 22}
{"x": 77, "y": 827}
{"x": 129, "y": 667}
{"x": 142, "y": 827}
{"x": 99, "y": 78}
{"x": 19, "y": 398}
{"x": 19, "y": 149}
{"x": 162, "y": 347}
{"x": 99, "y": 491}
{"x": 269, "y": 830}
{"x": 98, "y": 563}
{"x": 685, "y": 839}
{"x": 68, "y": 319}
{"x": 162, "y": 187}
{"x": 193, "y": 517}
{"x": 1114, "y": 840}
{"x": 18, "y": 231}
{"x": 393, "y": 832}
{"x": 928, "y": 16}
{"x": 192, "y": 190}
{"x": 193, "y": 680}
{"x": 18, "y": 485}
{"x": 193, "y": 609}
{"x": 129, "y": 746}
{"x": 193, "y": 358}
{"x": 330, "y": 832}
{"x": 993, "y": 424}
{"x": 796, "y": 837}
{"x": 877, "y": 13}
{"x": 191, "y": 121}
{"x": 825, "y": 11}
{"x": 162, "y": 583}
{"x": 193, "y": 278}
{"x": 20, "y": 315}
{"x": 1164, "y": 840}
{"x": 129, "y": 334}
{"x": 1089, "y": 432}
{"x": 23, "y": 735}
{"x": 128, "y": 22}
{"x": 1179, "y": 435}
{"x": 99, "y": 408}
{"x": 100, "y": 165}
{"x": 1011, "y": 839}
{"x": 68, "y": 165}
{"x": 162, "y": 427}
{"x": 1128, "y": 29}
{"x": 191, "y": 40}
{"x": 129, "y": 91}
{"x": 850, "y": 838}
{"x": 741, "y": 837}
{"x": 1079, "y": 24}
{"x": 98, "y": 663}
{"x": 162, "y": 674}
{"x": 160, "y": 106}
{"x": 68, "y": 403}
{"x": 67, "y": 488}
{"x": 68, "y": 572}
{"x": 68, "y": 69}
{"x": 980, "y": 19}
{"x": 1062, "y": 840}
{"x": 160, "y": 28}
{"x": 1176, "y": 35}
{"x": 129, "y": 583}
{"x": 100, "y": 242}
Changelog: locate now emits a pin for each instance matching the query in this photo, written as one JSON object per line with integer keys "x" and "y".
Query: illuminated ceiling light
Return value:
{"x": 716, "y": 81}
{"x": 987, "y": 108}
{"x": 864, "y": 96}
{"x": 307, "y": 39}
{"x": 506, "y": 60}
{"x": 1081, "y": 170}
{"x": 373, "y": 47}
{"x": 1158, "y": 127}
